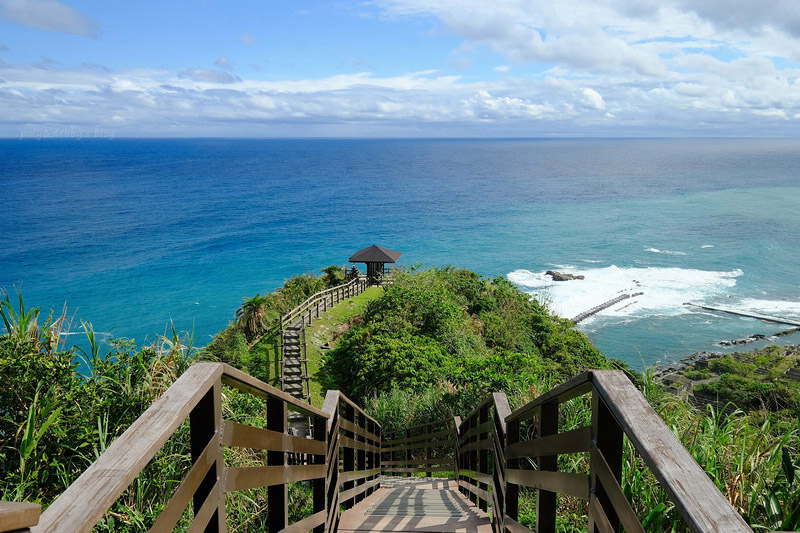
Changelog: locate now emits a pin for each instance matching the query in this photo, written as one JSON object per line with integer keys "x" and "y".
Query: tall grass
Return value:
{"x": 57, "y": 417}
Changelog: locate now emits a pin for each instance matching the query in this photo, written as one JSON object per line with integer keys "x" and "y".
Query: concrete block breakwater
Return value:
{"x": 605, "y": 305}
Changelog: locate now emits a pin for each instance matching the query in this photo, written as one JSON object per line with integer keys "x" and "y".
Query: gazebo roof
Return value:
{"x": 375, "y": 254}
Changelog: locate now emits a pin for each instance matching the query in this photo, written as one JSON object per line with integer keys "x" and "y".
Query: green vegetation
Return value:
{"x": 430, "y": 346}
{"x": 697, "y": 375}
{"x": 751, "y": 381}
{"x": 452, "y": 330}
{"x": 325, "y": 331}
{"x": 60, "y": 407}
{"x": 251, "y": 343}
{"x": 55, "y": 420}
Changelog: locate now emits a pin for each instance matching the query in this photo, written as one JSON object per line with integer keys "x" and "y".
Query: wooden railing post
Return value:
{"x": 277, "y": 495}
{"x": 428, "y": 450}
{"x": 483, "y": 455}
{"x": 546, "y": 500}
{"x": 349, "y": 457}
{"x": 320, "y": 500}
{"x": 456, "y": 450}
{"x": 408, "y": 454}
{"x": 361, "y": 455}
{"x": 512, "y": 489}
{"x": 377, "y": 455}
{"x": 331, "y": 407}
{"x": 607, "y": 438}
{"x": 500, "y": 412}
{"x": 370, "y": 456}
{"x": 205, "y": 423}
{"x": 394, "y": 454}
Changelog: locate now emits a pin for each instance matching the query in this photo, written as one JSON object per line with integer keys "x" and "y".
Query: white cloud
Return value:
{"x": 204, "y": 74}
{"x": 752, "y": 17}
{"x": 224, "y": 62}
{"x": 48, "y": 15}
{"x": 592, "y": 99}
{"x": 197, "y": 99}
{"x": 615, "y": 67}
{"x": 247, "y": 39}
{"x": 612, "y": 36}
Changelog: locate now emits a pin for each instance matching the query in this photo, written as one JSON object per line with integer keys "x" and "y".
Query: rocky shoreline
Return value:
{"x": 690, "y": 377}
{"x": 709, "y": 354}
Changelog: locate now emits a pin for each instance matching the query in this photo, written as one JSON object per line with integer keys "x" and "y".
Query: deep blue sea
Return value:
{"x": 134, "y": 233}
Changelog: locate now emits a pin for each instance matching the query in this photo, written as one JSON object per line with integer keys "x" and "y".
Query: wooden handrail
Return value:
{"x": 86, "y": 500}
{"x": 618, "y": 410}
{"x": 345, "y": 455}
{"x": 425, "y": 448}
{"x": 197, "y": 395}
{"x": 324, "y": 299}
{"x": 480, "y": 455}
{"x": 17, "y": 516}
{"x": 492, "y": 458}
{"x": 358, "y": 435}
{"x": 702, "y": 505}
{"x": 354, "y": 287}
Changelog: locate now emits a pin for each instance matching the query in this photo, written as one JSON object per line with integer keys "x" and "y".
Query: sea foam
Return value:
{"x": 774, "y": 308}
{"x": 665, "y": 290}
{"x": 665, "y": 252}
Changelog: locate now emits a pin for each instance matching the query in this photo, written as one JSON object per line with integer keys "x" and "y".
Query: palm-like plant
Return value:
{"x": 21, "y": 326}
{"x": 250, "y": 316}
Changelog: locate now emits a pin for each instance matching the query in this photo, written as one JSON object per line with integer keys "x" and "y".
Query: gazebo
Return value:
{"x": 375, "y": 257}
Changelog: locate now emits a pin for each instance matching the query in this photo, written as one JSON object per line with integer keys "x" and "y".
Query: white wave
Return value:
{"x": 665, "y": 252}
{"x": 97, "y": 333}
{"x": 665, "y": 289}
{"x": 773, "y": 308}
{"x": 707, "y": 246}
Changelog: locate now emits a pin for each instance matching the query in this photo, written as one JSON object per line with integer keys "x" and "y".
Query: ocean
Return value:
{"x": 132, "y": 234}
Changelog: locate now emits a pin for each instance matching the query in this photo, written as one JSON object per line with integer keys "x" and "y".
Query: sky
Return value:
{"x": 399, "y": 68}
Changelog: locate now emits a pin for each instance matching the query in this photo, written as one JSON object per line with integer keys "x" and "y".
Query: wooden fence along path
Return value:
{"x": 492, "y": 454}
{"x": 294, "y": 359}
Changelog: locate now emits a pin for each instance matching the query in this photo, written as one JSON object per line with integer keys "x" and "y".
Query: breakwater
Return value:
{"x": 605, "y": 305}
{"x": 774, "y": 320}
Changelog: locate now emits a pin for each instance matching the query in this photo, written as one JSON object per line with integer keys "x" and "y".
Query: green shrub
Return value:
{"x": 696, "y": 375}
{"x": 454, "y": 328}
{"x": 728, "y": 365}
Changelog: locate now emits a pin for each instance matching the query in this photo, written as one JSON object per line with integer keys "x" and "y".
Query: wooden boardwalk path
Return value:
{"x": 415, "y": 504}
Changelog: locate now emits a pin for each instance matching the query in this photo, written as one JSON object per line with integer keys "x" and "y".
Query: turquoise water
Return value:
{"x": 133, "y": 233}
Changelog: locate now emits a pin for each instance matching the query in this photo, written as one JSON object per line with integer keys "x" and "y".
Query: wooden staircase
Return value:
{"x": 294, "y": 362}
{"x": 294, "y": 358}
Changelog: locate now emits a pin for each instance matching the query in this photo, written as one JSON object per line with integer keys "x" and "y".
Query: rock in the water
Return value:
{"x": 562, "y": 276}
